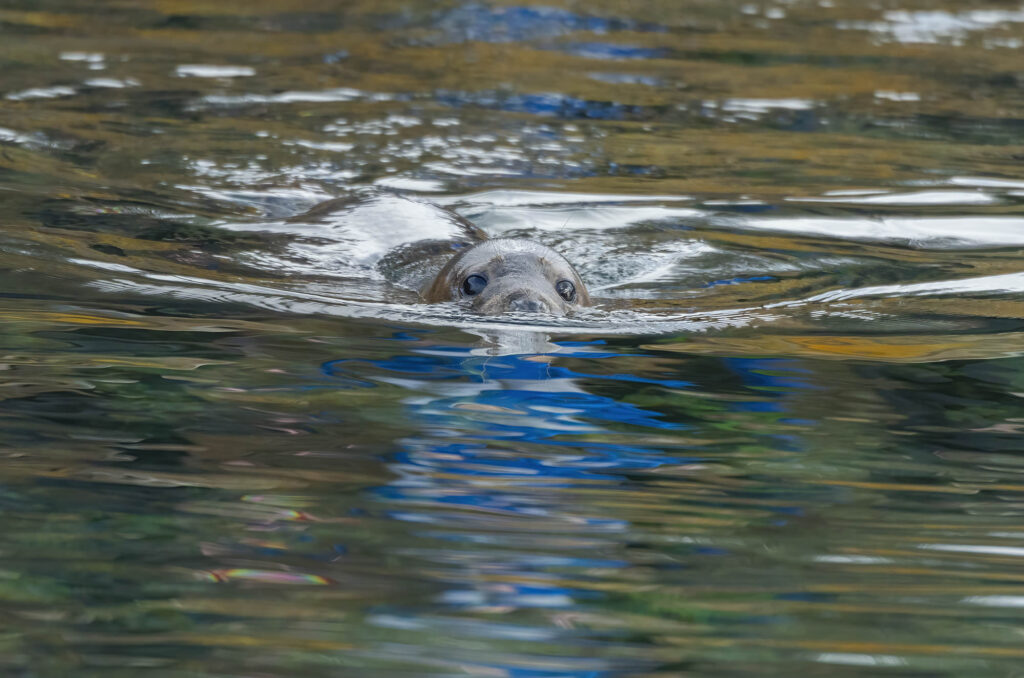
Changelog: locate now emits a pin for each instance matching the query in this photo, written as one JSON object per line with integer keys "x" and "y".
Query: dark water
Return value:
{"x": 786, "y": 442}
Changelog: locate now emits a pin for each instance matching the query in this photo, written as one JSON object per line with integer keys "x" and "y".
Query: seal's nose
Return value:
{"x": 527, "y": 305}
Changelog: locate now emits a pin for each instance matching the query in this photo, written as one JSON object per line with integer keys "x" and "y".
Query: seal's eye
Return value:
{"x": 566, "y": 290}
{"x": 474, "y": 285}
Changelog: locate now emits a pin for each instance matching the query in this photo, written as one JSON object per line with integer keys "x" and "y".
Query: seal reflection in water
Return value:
{"x": 509, "y": 275}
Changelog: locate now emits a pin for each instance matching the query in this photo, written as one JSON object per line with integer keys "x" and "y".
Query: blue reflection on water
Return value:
{"x": 552, "y": 104}
{"x": 627, "y": 79}
{"x": 782, "y": 379}
{"x": 453, "y": 363}
{"x": 771, "y": 374}
{"x": 740, "y": 280}
{"x": 501, "y": 445}
{"x": 478, "y": 22}
{"x": 542, "y": 409}
{"x": 475, "y": 407}
{"x": 612, "y": 51}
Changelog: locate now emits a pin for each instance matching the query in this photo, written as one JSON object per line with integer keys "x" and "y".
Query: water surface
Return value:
{"x": 785, "y": 441}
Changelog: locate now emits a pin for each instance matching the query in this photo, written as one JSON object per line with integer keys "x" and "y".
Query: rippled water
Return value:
{"x": 785, "y": 442}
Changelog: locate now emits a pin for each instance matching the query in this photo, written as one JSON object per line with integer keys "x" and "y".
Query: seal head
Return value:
{"x": 510, "y": 275}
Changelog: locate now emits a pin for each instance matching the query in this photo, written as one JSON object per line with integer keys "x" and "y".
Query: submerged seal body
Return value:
{"x": 509, "y": 275}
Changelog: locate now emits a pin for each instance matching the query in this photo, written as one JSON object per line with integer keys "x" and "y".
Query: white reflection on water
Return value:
{"x": 87, "y": 57}
{"x": 112, "y": 83}
{"x": 897, "y": 96}
{"x": 509, "y": 198}
{"x": 338, "y": 95}
{"x": 995, "y": 601}
{"x": 923, "y": 232}
{"x": 42, "y": 93}
{"x": 992, "y": 284}
{"x": 596, "y": 218}
{"x": 852, "y": 560}
{"x": 211, "y": 71}
{"x": 332, "y": 146}
{"x": 10, "y": 136}
{"x": 986, "y": 182}
{"x": 933, "y": 26}
{"x": 766, "y": 105}
{"x": 1016, "y": 551}
{"x": 404, "y": 183}
{"x": 851, "y": 659}
{"x": 917, "y": 198}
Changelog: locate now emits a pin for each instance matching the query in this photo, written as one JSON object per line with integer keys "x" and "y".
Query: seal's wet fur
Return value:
{"x": 521, "y": 275}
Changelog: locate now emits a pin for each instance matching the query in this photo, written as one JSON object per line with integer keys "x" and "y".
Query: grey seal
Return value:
{"x": 421, "y": 246}
{"x": 509, "y": 275}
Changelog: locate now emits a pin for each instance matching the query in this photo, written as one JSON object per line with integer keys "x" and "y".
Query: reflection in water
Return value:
{"x": 582, "y": 509}
{"x": 524, "y": 454}
{"x": 785, "y": 441}
{"x": 506, "y": 442}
